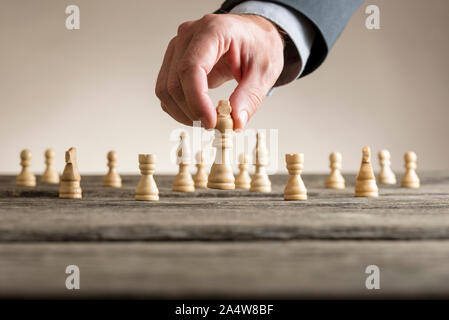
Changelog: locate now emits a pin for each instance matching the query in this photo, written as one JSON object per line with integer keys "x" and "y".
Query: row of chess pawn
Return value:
{"x": 221, "y": 175}
{"x": 220, "y": 179}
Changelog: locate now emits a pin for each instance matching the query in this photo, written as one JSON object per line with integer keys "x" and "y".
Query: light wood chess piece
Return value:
{"x": 26, "y": 178}
{"x": 260, "y": 181}
{"x": 295, "y": 188}
{"x": 70, "y": 187}
{"x": 366, "y": 181}
{"x": 200, "y": 178}
{"x": 147, "y": 188}
{"x": 221, "y": 175}
{"x": 50, "y": 174}
{"x": 243, "y": 180}
{"x": 183, "y": 180}
{"x": 410, "y": 178}
{"x": 335, "y": 179}
{"x": 386, "y": 175}
{"x": 112, "y": 178}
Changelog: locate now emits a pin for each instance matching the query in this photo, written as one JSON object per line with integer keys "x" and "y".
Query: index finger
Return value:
{"x": 200, "y": 57}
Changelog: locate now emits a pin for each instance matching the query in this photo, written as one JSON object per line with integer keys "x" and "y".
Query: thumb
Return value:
{"x": 246, "y": 98}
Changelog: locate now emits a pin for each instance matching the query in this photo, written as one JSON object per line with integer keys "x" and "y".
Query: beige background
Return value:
{"x": 93, "y": 88}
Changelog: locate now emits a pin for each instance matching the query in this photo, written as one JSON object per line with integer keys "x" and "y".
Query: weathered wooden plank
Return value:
{"x": 265, "y": 269}
{"x": 37, "y": 214}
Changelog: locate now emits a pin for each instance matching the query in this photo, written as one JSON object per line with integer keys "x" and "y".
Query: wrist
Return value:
{"x": 267, "y": 26}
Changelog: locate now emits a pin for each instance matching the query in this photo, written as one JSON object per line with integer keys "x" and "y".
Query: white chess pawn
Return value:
{"x": 147, "y": 189}
{"x": 112, "y": 178}
{"x": 335, "y": 179}
{"x": 410, "y": 178}
{"x": 386, "y": 175}
{"x": 200, "y": 178}
{"x": 26, "y": 177}
{"x": 260, "y": 181}
{"x": 70, "y": 187}
{"x": 366, "y": 181}
{"x": 50, "y": 174}
{"x": 183, "y": 180}
{"x": 221, "y": 175}
{"x": 243, "y": 180}
{"x": 295, "y": 188}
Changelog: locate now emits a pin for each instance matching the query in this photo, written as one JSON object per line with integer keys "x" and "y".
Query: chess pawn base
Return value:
{"x": 368, "y": 189}
{"x": 147, "y": 189}
{"x": 243, "y": 181}
{"x": 70, "y": 190}
{"x": 221, "y": 177}
{"x": 335, "y": 185}
{"x": 113, "y": 181}
{"x": 183, "y": 180}
{"x": 410, "y": 182}
{"x": 201, "y": 184}
{"x": 50, "y": 177}
{"x": 386, "y": 180}
{"x": 260, "y": 183}
{"x": 26, "y": 181}
{"x": 335, "y": 182}
{"x": 200, "y": 178}
{"x": 181, "y": 185}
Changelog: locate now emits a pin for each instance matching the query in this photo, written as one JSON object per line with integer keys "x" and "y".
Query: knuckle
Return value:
{"x": 172, "y": 41}
{"x": 173, "y": 87}
{"x": 161, "y": 91}
{"x": 164, "y": 108}
{"x": 183, "y": 27}
{"x": 185, "y": 68}
{"x": 212, "y": 22}
{"x": 270, "y": 67}
{"x": 208, "y": 17}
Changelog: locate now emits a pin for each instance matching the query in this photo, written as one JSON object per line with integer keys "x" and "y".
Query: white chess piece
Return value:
{"x": 243, "y": 179}
{"x": 260, "y": 181}
{"x": 366, "y": 181}
{"x": 410, "y": 178}
{"x": 221, "y": 175}
{"x": 70, "y": 187}
{"x": 50, "y": 175}
{"x": 26, "y": 178}
{"x": 200, "y": 178}
{"x": 183, "y": 181}
{"x": 335, "y": 179}
{"x": 112, "y": 178}
{"x": 386, "y": 175}
{"x": 295, "y": 188}
{"x": 147, "y": 189}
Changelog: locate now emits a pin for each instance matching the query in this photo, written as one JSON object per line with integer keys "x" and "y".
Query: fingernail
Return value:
{"x": 243, "y": 115}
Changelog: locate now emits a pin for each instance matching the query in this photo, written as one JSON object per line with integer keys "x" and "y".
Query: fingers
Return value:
{"x": 210, "y": 51}
{"x": 182, "y": 83}
{"x": 220, "y": 74}
{"x": 199, "y": 59}
{"x": 174, "y": 86}
{"x": 177, "y": 114}
{"x": 167, "y": 103}
{"x": 248, "y": 95}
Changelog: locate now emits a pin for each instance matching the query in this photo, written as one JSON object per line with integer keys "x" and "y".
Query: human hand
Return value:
{"x": 212, "y": 50}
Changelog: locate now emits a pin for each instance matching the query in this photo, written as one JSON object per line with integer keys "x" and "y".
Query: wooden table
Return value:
{"x": 225, "y": 244}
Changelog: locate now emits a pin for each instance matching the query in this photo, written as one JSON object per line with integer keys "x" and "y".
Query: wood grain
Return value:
{"x": 104, "y": 214}
{"x": 263, "y": 269}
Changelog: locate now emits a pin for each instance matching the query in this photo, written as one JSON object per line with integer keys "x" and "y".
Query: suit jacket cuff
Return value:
{"x": 299, "y": 30}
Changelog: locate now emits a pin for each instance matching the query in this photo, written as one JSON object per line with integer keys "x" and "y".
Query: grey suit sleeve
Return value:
{"x": 329, "y": 17}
